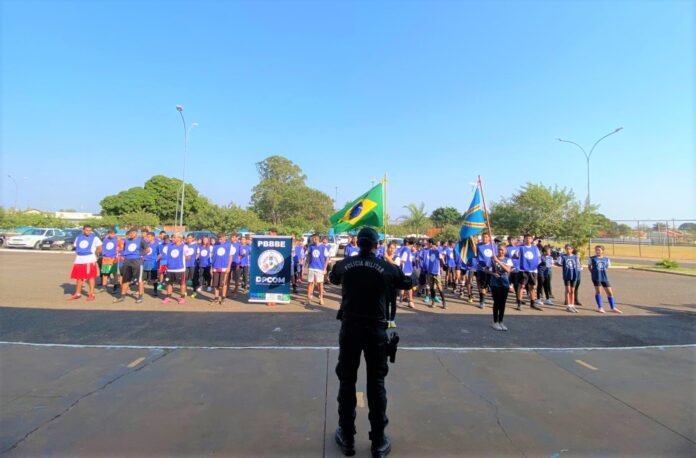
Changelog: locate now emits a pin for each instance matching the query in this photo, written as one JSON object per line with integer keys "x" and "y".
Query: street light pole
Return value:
{"x": 16, "y": 190}
{"x": 587, "y": 159}
{"x": 187, "y": 132}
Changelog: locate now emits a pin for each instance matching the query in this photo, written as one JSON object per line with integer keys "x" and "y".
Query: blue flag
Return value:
{"x": 474, "y": 222}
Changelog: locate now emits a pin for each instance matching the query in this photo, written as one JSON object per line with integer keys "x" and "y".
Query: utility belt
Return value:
{"x": 360, "y": 320}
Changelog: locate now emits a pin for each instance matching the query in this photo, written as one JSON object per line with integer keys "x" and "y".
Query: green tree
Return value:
{"x": 14, "y": 219}
{"x": 443, "y": 216}
{"x": 282, "y": 194}
{"x": 417, "y": 219}
{"x": 450, "y": 232}
{"x": 227, "y": 219}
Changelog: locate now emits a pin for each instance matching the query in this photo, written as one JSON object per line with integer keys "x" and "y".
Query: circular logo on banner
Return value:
{"x": 175, "y": 253}
{"x": 83, "y": 243}
{"x": 271, "y": 262}
{"x": 233, "y": 250}
{"x": 220, "y": 251}
{"x": 488, "y": 252}
{"x": 109, "y": 245}
{"x": 131, "y": 247}
{"x": 316, "y": 253}
{"x": 529, "y": 255}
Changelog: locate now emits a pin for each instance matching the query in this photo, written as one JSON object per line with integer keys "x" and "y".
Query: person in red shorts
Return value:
{"x": 87, "y": 245}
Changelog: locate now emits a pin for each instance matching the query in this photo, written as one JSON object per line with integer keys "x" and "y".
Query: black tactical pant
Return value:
{"x": 354, "y": 339}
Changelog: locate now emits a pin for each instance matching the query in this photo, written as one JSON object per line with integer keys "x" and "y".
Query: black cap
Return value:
{"x": 367, "y": 233}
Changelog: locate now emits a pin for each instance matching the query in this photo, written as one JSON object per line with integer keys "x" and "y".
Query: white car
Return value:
{"x": 31, "y": 238}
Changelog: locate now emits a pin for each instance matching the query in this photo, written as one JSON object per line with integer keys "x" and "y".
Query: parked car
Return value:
{"x": 343, "y": 240}
{"x": 64, "y": 240}
{"x": 31, "y": 238}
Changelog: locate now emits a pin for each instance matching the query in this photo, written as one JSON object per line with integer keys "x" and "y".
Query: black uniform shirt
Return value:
{"x": 366, "y": 280}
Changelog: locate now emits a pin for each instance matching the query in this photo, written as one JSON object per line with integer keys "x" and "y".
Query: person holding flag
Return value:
{"x": 474, "y": 222}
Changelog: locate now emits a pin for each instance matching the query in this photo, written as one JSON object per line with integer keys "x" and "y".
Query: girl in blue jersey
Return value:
{"x": 598, "y": 266}
{"x": 435, "y": 262}
{"x": 500, "y": 286}
{"x": 221, "y": 263}
{"x": 571, "y": 271}
{"x": 205, "y": 253}
{"x": 317, "y": 262}
{"x": 406, "y": 254}
{"x": 544, "y": 276}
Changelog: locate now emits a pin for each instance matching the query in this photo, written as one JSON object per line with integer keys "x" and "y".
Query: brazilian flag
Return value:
{"x": 366, "y": 210}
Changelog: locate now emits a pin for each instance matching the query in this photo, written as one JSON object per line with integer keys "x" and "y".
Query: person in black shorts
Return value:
{"x": 134, "y": 248}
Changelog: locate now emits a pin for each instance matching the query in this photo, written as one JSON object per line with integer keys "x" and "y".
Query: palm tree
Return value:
{"x": 417, "y": 218}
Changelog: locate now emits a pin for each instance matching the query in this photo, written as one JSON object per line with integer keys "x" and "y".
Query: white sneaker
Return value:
{"x": 210, "y": 289}
{"x": 502, "y": 327}
{"x": 571, "y": 309}
{"x": 548, "y": 302}
{"x": 539, "y": 302}
{"x": 601, "y": 310}
{"x": 496, "y": 326}
{"x": 199, "y": 289}
{"x": 482, "y": 305}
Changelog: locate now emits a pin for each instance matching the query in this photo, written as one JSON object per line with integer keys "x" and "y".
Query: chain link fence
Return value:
{"x": 651, "y": 239}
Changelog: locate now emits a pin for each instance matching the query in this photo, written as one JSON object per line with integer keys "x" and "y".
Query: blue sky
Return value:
{"x": 433, "y": 93}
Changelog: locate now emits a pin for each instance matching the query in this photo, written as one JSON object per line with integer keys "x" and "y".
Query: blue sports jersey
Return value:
{"x": 110, "y": 247}
{"x": 192, "y": 252}
{"x": 485, "y": 252}
{"x": 221, "y": 254}
{"x": 131, "y": 248}
{"x": 317, "y": 257}
{"x": 406, "y": 255}
{"x": 151, "y": 257}
{"x": 529, "y": 258}
{"x": 571, "y": 267}
{"x": 380, "y": 251}
{"x": 599, "y": 268}
{"x": 83, "y": 244}
{"x": 245, "y": 255}
{"x": 175, "y": 258}
{"x": 434, "y": 261}
{"x": 204, "y": 256}
{"x": 449, "y": 256}
{"x": 235, "y": 247}
{"x": 502, "y": 280}
{"x": 545, "y": 265}
{"x": 352, "y": 250}
{"x": 163, "y": 250}
{"x": 423, "y": 260}
{"x": 510, "y": 252}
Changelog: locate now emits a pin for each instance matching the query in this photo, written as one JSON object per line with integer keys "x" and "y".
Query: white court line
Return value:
{"x": 301, "y": 348}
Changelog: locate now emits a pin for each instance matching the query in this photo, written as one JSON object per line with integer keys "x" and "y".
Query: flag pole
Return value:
{"x": 384, "y": 209}
{"x": 485, "y": 210}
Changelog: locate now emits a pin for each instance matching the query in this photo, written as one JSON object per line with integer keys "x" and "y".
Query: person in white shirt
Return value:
{"x": 87, "y": 245}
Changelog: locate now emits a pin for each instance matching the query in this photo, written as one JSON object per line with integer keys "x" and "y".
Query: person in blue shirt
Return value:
{"x": 150, "y": 262}
{"x": 598, "y": 266}
{"x": 544, "y": 273}
{"x": 244, "y": 261}
{"x": 435, "y": 261}
{"x": 236, "y": 269}
{"x": 298, "y": 259}
{"x": 221, "y": 263}
{"x": 317, "y": 262}
{"x": 205, "y": 253}
{"x": 406, "y": 257}
{"x": 511, "y": 254}
{"x": 191, "y": 248}
{"x": 484, "y": 257}
{"x": 450, "y": 264}
{"x": 570, "y": 264}
{"x": 500, "y": 286}
{"x": 380, "y": 249}
{"x": 352, "y": 248}
{"x": 176, "y": 269}
{"x": 109, "y": 259}
{"x": 422, "y": 258}
{"x": 530, "y": 258}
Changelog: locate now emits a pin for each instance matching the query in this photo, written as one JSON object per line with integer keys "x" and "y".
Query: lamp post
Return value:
{"x": 187, "y": 132}
{"x": 588, "y": 156}
{"x": 16, "y": 190}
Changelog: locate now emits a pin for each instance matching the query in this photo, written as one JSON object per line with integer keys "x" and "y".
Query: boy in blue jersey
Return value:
{"x": 423, "y": 266}
{"x": 484, "y": 262}
{"x": 451, "y": 265}
{"x": 571, "y": 270}
{"x": 150, "y": 262}
{"x": 221, "y": 263}
{"x": 544, "y": 274}
{"x": 405, "y": 254}
{"x": 598, "y": 266}
{"x": 435, "y": 262}
{"x": 530, "y": 258}
{"x": 134, "y": 248}
{"x": 352, "y": 248}
{"x": 109, "y": 259}
{"x": 297, "y": 262}
{"x": 176, "y": 269}
{"x": 316, "y": 268}
{"x": 511, "y": 254}
{"x": 191, "y": 249}
{"x": 236, "y": 269}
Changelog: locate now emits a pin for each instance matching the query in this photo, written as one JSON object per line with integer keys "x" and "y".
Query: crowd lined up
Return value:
{"x": 220, "y": 265}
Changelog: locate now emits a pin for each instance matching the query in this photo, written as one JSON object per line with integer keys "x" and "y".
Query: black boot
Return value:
{"x": 345, "y": 441}
{"x": 381, "y": 445}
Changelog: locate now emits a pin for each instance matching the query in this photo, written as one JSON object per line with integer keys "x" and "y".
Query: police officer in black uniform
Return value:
{"x": 366, "y": 282}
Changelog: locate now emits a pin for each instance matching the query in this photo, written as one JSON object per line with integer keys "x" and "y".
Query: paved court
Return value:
{"x": 462, "y": 389}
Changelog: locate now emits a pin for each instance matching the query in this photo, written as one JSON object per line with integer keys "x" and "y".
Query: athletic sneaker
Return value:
{"x": 548, "y": 302}
{"x": 571, "y": 309}
{"x": 437, "y": 300}
{"x": 519, "y": 307}
{"x": 166, "y": 300}
{"x": 614, "y": 310}
{"x": 308, "y": 302}
{"x": 390, "y": 324}
{"x": 321, "y": 301}
{"x": 118, "y": 299}
{"x": 210, "y": 289}
{"x": 496, "y": 326}
{"x": 411, "y": 306}
{"x": 139, "y": 299}
{"x": 502, "y": 327}
{"x": 426, "y": 301}
{"x": 538, "y": 302}
{"x": 470, "y": 301}
{"x": 74, "y": 297}
{"x": 193, "y": 295}
{"x": 199, "y": 289}
{"x": 160, "y": 286}
{"x": 536, "y": 306}
{"x": 90, "y": 298}
{"x": 601, "y": 310}
{"x": 182, "y": 300}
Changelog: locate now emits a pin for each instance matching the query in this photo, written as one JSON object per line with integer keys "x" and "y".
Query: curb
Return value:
{"x": 683, "y": 274}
